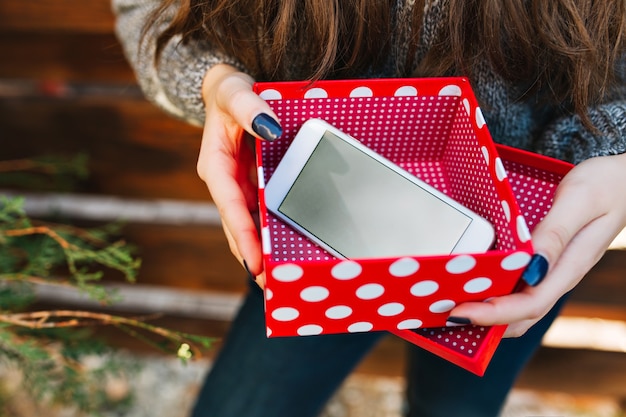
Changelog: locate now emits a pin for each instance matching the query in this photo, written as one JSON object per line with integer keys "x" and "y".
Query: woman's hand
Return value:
{"x": 226, "y": 162}
{"x": 588, "y": 212}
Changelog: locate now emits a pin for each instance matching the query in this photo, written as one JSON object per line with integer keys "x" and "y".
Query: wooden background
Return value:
{"x": 65, "y": 87}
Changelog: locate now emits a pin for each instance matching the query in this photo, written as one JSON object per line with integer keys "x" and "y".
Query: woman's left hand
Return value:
{"x": 588, "y": 211}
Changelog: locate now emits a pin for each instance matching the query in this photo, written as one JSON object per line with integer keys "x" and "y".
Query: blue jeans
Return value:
{"x": 254, "y": 376}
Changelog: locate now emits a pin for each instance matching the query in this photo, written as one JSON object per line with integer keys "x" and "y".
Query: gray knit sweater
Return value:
{"x": 175, "y": 86}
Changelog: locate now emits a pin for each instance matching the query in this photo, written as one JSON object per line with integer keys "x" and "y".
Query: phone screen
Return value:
{"x": 363, "y": 209}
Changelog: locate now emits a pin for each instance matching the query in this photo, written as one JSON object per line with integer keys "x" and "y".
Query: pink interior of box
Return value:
{"x": 429, "y": 136}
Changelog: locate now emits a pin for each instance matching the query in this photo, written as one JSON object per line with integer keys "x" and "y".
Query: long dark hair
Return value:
{"x": 568, "y": 49}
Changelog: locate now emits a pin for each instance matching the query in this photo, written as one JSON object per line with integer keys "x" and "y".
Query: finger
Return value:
{"x": 563, "y": 221}
{"x": 236, "y": 98}
{"x": 518, "y": 329}
{"x": 524, "y": 308}
{"x": 232, "y": 245}
{"x": 224, "y": 163}
{"x": 234, "y": 210}
{"x": 258, "y": 279}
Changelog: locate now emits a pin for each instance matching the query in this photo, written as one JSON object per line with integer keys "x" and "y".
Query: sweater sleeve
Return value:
{"x": 567, "y": 138}
{"x": 174, "y": 82}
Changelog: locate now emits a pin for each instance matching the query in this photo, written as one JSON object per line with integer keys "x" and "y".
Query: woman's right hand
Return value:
{"x": 226, "y": 162}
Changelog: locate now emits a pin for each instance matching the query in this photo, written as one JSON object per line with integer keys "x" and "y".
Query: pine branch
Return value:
{"x": 39, "y": 230}
{"x": 48, "y": 171}
{"x": 80, "y": 250}
{"x": 50, "y": 319}
{"x": 47, "y": 345}
{"x": 53, "y": 372}
{"x": 77, "y": 247}
{"x": 17, "y": 165}
{"x": 31, "y": 279}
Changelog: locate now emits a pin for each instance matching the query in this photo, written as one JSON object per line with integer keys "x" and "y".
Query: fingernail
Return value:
{"x": 536, "y": 270}
{"x": 459, "y": 320}
{"x": 250, "y": 274}
{"x": 266, "y": 127}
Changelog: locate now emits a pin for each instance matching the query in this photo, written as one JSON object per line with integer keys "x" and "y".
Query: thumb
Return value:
{"x": 568, "y": 215}
{"x": 234, "y": 96}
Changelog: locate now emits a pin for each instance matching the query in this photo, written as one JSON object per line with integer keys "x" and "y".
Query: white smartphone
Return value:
{"x": 356, "y": 204}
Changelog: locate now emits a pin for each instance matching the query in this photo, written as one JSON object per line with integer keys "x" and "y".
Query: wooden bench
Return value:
{"x": 65, "y": 87}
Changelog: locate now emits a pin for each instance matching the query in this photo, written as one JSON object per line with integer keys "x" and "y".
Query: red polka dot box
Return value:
{"x": 434, "y": 129}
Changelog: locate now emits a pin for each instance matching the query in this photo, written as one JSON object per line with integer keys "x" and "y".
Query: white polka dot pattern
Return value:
{"x": 310, "y": 330}
{"x": 338, "y": 312}
{"x": 466, "y": 341}
{"x": 346, "y": 270}
{"x": 409, "y": 324}
{"x": 285, "y": 314}
{"x": 477, "y": 285}
{"x": 361, "y": 92}
{"x": 424, "y": 288}
{"x": 390, "y": 309}
{"x": 435, "y": 130}
{"x": 370, "y": 291}
{"x": 515, "y": 261}
{"x": 361, "y": 326}
{"x": 460, "y": 264}
{"x": 287, "y": 272}
{"x": 314, "y": 294}
{"x": 441, "y": 306}
{"x": 404, "y": 267}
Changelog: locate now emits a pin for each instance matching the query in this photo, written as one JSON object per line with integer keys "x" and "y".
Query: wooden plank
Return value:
{"x": 202, "y": 254}
{"x": 134, "y": 148}
{"x": 89, "y": 57}
{"x": 577, "y": 371}
{"x": 194, "y": 244}
{"x": 197, "y": 249}
{"x": 606, "y": 283}
{"x": 189, "y": 257}
{"x": 576, "y": 307}
{"x": 92, "y": 16}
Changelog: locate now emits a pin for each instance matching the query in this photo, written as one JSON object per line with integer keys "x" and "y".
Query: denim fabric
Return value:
{"x": 254, "y": 376}
{"x": 437, "y": 388}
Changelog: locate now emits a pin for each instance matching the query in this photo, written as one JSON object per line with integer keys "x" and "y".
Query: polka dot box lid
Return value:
{"x": 434, "y": 129}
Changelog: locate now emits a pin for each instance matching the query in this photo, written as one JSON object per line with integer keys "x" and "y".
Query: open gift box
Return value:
{"x": 434, "y": 129}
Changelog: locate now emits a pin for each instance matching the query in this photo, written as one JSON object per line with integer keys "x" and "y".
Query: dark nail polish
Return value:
{"x": 266, "y": 127}
{"x": 459, "y": 320}
{"x": 536, "y": 270}
{"x": 250, "y": 274}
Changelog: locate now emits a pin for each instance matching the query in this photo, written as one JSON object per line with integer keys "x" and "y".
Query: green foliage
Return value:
{"x": 49, "y": 359}
{"x": 30, "y": 249}
{"x": 48, "y": 172}
{"x": 51, "y": 348}
{"x": 54, "y": 368}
